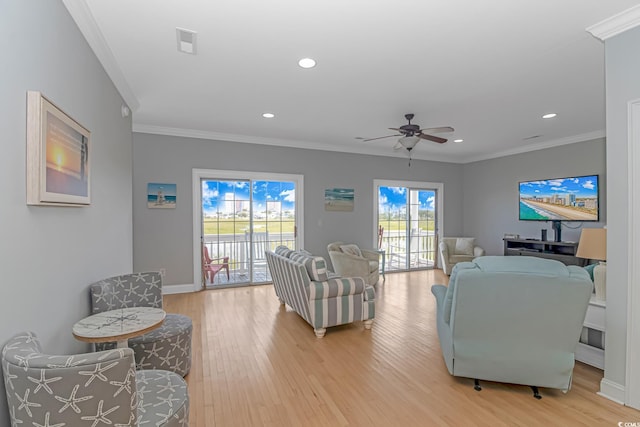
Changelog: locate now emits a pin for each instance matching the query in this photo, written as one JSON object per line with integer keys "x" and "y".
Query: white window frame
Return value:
{"x": 217, "y": 174}
{"x": 422, "y": 185}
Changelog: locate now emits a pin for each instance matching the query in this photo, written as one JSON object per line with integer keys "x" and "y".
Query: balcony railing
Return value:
{"x": 240, "y": 251}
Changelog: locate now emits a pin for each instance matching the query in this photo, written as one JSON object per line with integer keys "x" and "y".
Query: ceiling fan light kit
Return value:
{"x": 409, "y": 142}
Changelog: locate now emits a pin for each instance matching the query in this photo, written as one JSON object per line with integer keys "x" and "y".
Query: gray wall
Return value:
{"x": 163, "y": 238}
{"x": 623, "y": 85}
{"x": 491, "y": 191}
{"x": 49, "y": 255}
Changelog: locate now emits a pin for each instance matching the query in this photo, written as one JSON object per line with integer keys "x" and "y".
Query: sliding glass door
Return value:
{"x": 240, "y": 219}
{"x": 407, "y": 224}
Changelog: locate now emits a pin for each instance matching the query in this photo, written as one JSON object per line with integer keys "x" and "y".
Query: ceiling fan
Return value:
{"x": 411, "y": 134}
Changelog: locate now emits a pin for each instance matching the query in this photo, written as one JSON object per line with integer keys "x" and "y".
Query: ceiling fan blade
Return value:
{"x": 438, "y": 130}
{"x": 380, "y": 137}
{"x": 432, "y": 138}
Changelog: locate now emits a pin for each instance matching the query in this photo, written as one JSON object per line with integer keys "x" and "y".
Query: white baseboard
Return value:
{"x": 590, "y": 355}
{"x": 612, "y": 391}
{"x": 178, "y": 289}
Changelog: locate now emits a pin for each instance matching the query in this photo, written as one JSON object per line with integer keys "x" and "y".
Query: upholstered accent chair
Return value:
{"x": 88, "y": 389}
{"x": 513, "y": 319}
{"x": 167, "y": 347}
{"x": 457, "y": 249}
{"x": 351, "y": 261}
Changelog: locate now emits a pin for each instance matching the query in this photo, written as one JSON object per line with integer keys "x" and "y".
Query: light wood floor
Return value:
{"x": 256, "y": 363}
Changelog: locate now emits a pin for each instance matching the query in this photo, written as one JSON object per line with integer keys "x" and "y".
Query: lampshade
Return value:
{"x": 593, "y": 244}
{"x": 409, "y": 142}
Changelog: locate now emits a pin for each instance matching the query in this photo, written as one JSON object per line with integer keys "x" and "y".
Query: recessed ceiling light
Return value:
{"x": 268, "y": 115}
{"x": 549, "y": 116}
{"x": 307, "y": 63}
{"x": 458, "y": 140}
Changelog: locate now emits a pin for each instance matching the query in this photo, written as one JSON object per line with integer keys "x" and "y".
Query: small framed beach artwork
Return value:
{"x": 161, "y": 196}
{"x": 58, "y": 156}
{"x": 338, "y": 199}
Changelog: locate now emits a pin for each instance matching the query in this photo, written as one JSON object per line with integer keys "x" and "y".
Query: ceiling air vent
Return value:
{"x": 186, "y": 40}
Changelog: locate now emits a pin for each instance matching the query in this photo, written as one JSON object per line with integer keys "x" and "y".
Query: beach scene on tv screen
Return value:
{"x": 569, "y": 199}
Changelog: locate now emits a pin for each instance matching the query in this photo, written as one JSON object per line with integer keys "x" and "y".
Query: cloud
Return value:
{"x": 559, "y": 189}
{"x": 288, "y": 195}
{"x": 556, "y": 182}
{"x": 398, "y": 190}
{"x": 207, "y": 193}
{"x": 589, "y": 185}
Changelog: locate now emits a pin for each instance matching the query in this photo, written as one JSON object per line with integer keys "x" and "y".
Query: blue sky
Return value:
{"x": 584, "y": 186}
{"x": 395, "y": 198}
{"x": 214, "y": 192}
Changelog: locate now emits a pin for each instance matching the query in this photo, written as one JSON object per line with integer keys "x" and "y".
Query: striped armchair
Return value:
{"x": 301, "y": 281}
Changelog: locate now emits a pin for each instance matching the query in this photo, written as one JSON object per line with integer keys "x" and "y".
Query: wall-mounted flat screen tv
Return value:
{"x": 560, "y": 199}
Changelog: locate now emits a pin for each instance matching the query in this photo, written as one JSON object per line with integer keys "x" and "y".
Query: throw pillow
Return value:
{"x": 465, "y": 246}
{"x": 351, "y": 250}
{"x": 589, "y": 269}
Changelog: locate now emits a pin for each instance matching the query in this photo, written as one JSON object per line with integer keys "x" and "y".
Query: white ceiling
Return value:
{"x": 489, "y": 68}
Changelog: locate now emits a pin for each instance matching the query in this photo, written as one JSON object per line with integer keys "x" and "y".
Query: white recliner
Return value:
{"x": 350, "y": 261}
{"x": 457, "y": 249}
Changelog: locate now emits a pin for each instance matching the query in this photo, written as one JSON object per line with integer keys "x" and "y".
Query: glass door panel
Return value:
{"x": 241, "y": 219}
{"x": 407, "y": 227}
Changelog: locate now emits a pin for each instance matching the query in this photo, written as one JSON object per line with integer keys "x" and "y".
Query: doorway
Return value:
{"x": 408, "y": 223}
{"x": 240, "y": 215}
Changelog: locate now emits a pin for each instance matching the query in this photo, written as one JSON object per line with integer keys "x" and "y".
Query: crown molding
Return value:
{"x": 246, "y": 139}
{"x": 81, "y": 14}
{"x": 371, "y": 151}
{"x": 616, "y": 24}
{"x": 541, "y": 146}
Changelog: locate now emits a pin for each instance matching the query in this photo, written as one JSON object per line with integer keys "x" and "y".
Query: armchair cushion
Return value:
{"x": 316, "y": 266}
{"x": 351, "y": 250}
{"x": 464, "y": 246}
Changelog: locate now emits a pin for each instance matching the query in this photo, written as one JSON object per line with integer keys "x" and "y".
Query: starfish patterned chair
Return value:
{"x": 90, "y": 389}
{"x": 167, "y": 347}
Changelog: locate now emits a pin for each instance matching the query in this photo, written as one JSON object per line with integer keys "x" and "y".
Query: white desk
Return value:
{"x": 118, "y": 325}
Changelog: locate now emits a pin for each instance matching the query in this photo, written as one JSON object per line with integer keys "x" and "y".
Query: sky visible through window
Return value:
{"x": 234, "y": 196}
{"x": 392, "y": 199}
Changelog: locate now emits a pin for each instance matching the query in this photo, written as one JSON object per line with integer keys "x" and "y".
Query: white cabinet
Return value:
{"x": 590, "y": 349}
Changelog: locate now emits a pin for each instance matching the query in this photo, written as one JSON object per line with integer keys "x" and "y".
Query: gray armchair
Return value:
{"x": 167, "y": 347}
{"x": 87, "y": 389}
{"x": 457, "y": 249}
{"x": 350, "y": 261}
